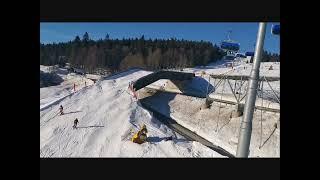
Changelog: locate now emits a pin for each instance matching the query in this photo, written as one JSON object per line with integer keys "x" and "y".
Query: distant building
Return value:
{"x": 240, "y": 55}
{"x": 76, "y": 70}
{"x": 229, "y": 57}
{"x": 67, "y": 65}
{"x": 79, "y": 71}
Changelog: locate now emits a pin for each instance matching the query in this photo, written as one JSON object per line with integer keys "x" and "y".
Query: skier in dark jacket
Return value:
{"x": 75, "y": 123}
{"x": 61, "y": 110}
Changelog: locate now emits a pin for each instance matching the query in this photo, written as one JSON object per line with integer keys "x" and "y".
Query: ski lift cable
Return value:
{"x": 240, "y": 88}
{"x": 208, "y": 87}
{"x": 224, "y": 82}
{"x": 274, "y": 93}
{"x": 223, "y": 75}
{"x": 261, "y": 114}
{"x": 274, "y": 129}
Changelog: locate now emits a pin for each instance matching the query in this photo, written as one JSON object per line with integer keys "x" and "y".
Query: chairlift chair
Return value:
{"x": 275, "y": 29}
{"x": 230, "y": 46}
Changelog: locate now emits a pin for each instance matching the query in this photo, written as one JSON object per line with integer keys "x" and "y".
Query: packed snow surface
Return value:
{"x": 109, "y": 116}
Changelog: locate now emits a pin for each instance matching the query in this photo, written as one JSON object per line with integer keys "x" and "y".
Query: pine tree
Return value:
{"x": 107, "y": 37}
{"x": 85, "y": 37}
{"x": 77, "y": 40}
{"x": 152, "y": 53}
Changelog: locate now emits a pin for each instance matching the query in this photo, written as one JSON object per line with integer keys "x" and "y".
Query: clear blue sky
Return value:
{"x": 244, "y": 33}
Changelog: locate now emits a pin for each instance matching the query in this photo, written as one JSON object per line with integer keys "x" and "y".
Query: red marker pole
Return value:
{"x": 134, "y": 94}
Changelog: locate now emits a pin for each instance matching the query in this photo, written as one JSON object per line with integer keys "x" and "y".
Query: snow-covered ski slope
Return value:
{"x": 108, "y": 116}
{"x": 52, "y": 94}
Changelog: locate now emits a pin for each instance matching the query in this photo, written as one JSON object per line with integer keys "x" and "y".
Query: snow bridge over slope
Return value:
{"x": 174, "y": 82}
{"x": 153, "y": 77}
{"x": 234, "y": 94}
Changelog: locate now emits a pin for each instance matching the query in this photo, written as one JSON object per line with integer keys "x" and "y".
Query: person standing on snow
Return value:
{"x": 61, "y": 110}
{"x": 271, "y": 68}
{"x": 130, "y": 85}
{"x": 85, "y": 83}
{"x": 135, "y": 93}
{"x": 75, "y": 123}
{"x": 74, "y": 86}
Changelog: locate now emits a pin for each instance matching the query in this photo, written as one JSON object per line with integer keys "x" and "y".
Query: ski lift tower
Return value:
{"x": 246, "y": 124}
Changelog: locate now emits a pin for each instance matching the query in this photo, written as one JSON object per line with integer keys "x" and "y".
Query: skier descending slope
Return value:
{"x": 133, "y": 90}
{"x": 61, "y": 110}
{"x": 75, "y": 123}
